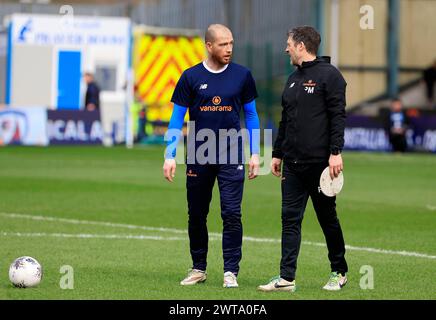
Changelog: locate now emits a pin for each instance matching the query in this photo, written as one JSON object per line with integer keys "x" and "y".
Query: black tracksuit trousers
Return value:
{"x": 299, "y": 181}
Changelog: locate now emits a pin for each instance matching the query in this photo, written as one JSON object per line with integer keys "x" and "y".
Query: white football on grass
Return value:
{"x": 25, "y": 272}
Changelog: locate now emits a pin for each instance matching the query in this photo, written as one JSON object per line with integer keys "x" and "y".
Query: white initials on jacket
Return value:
{"x": 309, "y": 89}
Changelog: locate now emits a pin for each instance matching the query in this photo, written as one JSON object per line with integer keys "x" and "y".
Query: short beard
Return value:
{"x": 294, "y": 62}
{"x": 220, "y": 61}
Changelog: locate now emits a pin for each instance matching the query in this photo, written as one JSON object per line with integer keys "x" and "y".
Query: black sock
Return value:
{"x": 288, "y": 279}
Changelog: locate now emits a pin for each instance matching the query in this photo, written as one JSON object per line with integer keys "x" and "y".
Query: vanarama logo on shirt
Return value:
{"x": 216, "y": 101}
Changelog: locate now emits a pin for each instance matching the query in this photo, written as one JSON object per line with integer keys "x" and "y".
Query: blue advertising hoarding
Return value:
{"x": 366, "y": 133}
{"x": 74, "y": 127}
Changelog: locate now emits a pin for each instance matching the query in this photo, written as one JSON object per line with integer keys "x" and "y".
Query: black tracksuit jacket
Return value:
{"x": 313, "y": 115}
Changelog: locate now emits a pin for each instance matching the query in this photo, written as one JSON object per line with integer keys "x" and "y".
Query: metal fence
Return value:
{"x": 259, "y": 28}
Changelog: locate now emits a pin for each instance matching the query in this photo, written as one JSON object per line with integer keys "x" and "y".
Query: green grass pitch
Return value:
{"x": 109, "y": 214}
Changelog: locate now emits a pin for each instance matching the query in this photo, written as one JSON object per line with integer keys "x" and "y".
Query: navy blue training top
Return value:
{"x": 215, "y": 99}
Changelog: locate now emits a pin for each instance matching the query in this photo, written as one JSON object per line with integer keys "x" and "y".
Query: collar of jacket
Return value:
{"x": 307, "y": 64}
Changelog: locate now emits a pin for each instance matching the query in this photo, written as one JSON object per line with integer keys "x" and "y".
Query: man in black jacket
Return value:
{"x": 310, "y": 138}
{"x": 92, "y": 96}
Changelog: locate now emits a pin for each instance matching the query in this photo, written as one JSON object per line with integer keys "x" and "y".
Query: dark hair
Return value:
{"x": 308, "y": 35}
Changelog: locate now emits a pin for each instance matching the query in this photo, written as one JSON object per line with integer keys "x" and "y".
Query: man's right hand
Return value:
{"x": 169, "y": 169}
{"x": 276, "y": 167}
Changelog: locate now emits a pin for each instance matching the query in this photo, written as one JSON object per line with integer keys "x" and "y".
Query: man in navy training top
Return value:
{"x": 214, "y": 91}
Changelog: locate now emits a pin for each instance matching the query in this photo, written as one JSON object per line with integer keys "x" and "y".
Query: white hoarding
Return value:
{"x": 23, "y": 126}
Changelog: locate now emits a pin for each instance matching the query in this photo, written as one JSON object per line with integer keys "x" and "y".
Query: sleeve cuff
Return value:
{"x": 277, "y": 154}
{"x": 335, "y": 150}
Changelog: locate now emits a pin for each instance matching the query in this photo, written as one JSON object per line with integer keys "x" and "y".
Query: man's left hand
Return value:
{"x": 335, "y": 165}
{"x": 253, "y": 166}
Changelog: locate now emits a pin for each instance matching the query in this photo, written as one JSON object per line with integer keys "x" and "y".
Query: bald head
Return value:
{"x": 216, "y": 30}
{"x": 219, "y": 44}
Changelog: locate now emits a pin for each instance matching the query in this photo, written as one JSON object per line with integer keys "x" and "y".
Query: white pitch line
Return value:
{"x": 375, "y": 250}
{"x": 88, "y": 236}
{"x": 95, "y": 223}
{"x": 213, "y": 235}
{"x": 430, "y": 207}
